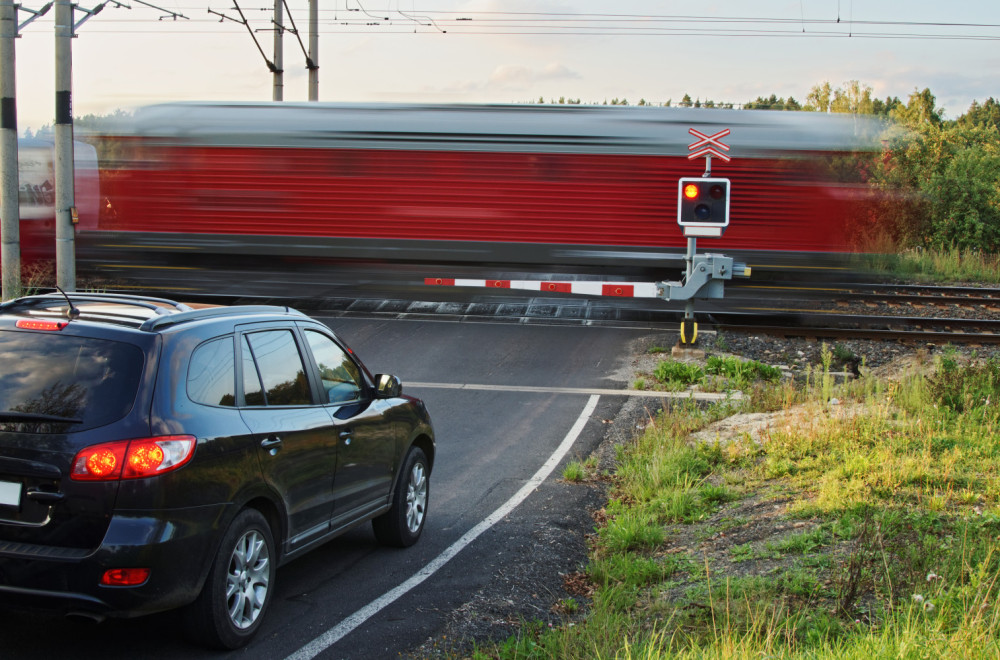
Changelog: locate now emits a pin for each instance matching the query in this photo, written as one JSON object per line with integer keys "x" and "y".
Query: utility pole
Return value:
{"x": 66, "y": 217}
{"x": 279, "y": 33}
{"x": 312, "y": 59}
{"x": 10, "y": 216}
{"x": 65, "y": 194}
{"x": 10, "y": 212}
{"x": 275, "y": 67}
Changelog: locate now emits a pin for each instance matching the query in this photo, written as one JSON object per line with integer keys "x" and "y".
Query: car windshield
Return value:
{"x": 57, "y": 383}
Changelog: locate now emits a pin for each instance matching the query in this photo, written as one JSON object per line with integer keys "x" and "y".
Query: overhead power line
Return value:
{"x": 359, "y": 17}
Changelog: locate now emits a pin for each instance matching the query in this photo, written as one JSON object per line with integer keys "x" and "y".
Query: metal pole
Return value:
{"x": 279, "y": 34}
{"x": 692, "y": 249}
{"x": 314, "y": 50}
{"x": 65, "y": 230}
{"x": 10, "y": 233}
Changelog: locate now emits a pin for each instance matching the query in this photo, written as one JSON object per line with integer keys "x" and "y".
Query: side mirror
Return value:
{"x": 387, "y": 386}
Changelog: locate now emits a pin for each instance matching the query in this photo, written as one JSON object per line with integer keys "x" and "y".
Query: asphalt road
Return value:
{"x": 498, "y": 396}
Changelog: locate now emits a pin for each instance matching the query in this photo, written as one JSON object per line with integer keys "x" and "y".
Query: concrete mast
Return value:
{"x": 65, "y": 194}
{"x": 313, "y": 50}
{"x": 10, "y": 233}
{"x": 279, "y": 33}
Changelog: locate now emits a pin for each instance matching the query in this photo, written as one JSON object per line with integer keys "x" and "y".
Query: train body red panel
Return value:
{"x": 497, "y": 184}
{"x": 582, "y": 199}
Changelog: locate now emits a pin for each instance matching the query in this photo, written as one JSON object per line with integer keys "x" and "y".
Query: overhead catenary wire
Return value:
{"x": 569, "y": 24}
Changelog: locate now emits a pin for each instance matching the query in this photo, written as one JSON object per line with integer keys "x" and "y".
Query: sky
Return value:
{"x": 515, "y": 51}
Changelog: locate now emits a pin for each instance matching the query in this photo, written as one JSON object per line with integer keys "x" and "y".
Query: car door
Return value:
{"x": 295, "y": 435}
{"x": 367, "y": 454}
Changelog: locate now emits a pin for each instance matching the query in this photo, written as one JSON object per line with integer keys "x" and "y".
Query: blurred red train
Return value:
{"x": 36, "y": 194}
{"x": 534, "y": 186}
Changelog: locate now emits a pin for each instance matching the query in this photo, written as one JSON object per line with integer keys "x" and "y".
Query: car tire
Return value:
{"x": 238, "y": 588}
{"x": 402, "y": 524}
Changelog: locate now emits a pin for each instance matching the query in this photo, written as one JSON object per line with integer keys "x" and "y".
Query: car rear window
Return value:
{"x": 62, "y": 376}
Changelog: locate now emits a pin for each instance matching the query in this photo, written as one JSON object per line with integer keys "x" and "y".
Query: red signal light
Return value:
{"x": 703, "y": 202}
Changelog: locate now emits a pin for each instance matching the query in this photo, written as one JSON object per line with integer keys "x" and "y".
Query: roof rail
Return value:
{"x": 158, "y": 322}
{"x": 159, "y": 306}
{"x": 168, "y": 312}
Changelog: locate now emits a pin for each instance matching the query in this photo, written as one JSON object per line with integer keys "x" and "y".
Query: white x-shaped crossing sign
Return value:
{"x": 709, "y": 145}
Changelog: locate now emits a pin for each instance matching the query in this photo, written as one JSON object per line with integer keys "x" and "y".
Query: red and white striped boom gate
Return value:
{"x": 708, "y": 273}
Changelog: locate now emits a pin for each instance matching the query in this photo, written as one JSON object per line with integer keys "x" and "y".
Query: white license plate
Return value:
{"x": 10, "y": 493}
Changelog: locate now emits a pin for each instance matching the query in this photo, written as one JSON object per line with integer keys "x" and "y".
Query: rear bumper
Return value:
{"x": 176, "y": 545}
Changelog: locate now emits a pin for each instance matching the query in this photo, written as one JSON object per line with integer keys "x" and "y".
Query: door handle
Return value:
{"x": 44, "y": 496}
{"x": 346, "y": 436}
{"x": 272, "y": 444}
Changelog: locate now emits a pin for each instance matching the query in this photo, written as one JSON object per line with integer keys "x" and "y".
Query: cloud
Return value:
{"x": 509, "y": 76}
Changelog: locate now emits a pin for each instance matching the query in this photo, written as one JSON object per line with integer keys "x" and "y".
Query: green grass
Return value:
{"x": 577, "y": 471}
{"x": 877, "y": 533}
{"x": 678, "y": 374}
{"x": 734, "y": 374}
{"x": 937, "y": 266}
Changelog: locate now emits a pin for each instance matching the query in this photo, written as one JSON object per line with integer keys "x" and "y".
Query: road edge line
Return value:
{"x": 346, "y": 626}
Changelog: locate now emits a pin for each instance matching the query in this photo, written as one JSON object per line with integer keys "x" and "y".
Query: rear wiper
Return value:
{"x": 15, "y": 416}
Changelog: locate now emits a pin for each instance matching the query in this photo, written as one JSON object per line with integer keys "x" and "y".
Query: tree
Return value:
{"x": 772, "y": 103}
{"x": 987, "y": 114}
{"x": 686, "y": 101}
{"x": 965, "y": 201}
{"x": 819, "y": 97}
{"x": 919, "y": 109}
{"x": 853, "y": 98}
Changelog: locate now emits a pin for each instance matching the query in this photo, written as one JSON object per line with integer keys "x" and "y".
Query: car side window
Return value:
{"x": 279, "y": 369}
{"x": 212, "y": 373}
{"x": 253, "y": 391}
{"x": 340, "y": 376}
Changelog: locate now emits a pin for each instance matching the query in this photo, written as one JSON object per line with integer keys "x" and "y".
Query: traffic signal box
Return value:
{"x": 703, "y": 206}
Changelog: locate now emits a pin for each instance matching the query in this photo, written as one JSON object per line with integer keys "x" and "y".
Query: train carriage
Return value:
{"x": 550, "y": 186}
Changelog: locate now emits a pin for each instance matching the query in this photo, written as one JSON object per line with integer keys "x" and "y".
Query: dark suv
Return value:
{"x": 155, "y": 455}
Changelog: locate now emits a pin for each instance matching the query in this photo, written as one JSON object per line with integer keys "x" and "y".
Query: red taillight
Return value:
{"x": 124, "y": 577}
{"x": 133, "y": 459}
{"x": 37, "y": 324}
{"x": 105, "y": 462}
{"x": 145, "y": 458}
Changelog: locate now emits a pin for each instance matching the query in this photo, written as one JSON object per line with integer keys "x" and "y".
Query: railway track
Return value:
{"x": 909, "y": 313}
{"x": 901, "y": 312}
{"x": 918, "y": 299}
{"x": 853, "y": 326}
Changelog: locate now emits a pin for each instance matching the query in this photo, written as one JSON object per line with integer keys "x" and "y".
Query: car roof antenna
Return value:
{"x": 72, "y": 312}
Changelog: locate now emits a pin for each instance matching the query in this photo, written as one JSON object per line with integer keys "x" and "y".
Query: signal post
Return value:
{"x": 703, "y": 212}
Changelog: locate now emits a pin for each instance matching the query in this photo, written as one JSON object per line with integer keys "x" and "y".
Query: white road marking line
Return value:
{"x": 345, "y": 627}
{"x": 687, "y": 394}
